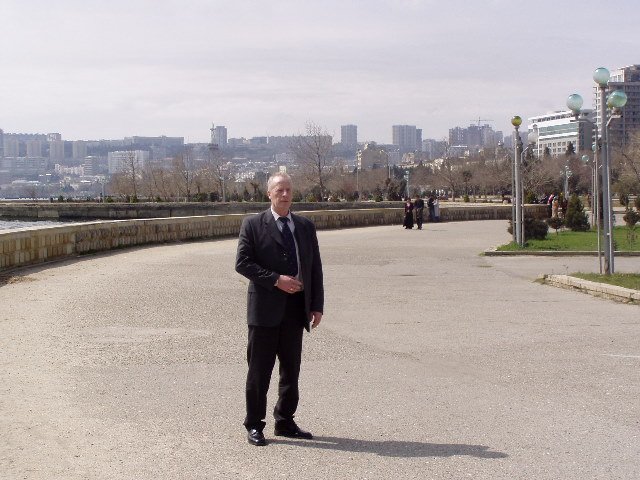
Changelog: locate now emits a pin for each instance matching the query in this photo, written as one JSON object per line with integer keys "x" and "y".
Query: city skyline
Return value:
{"x": 96, "y": 71}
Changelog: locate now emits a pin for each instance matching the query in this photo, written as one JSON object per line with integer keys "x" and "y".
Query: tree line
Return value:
{"x": 319, "y": 175}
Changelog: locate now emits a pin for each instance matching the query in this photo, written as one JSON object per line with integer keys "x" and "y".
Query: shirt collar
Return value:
{"x": 276, "y": 216}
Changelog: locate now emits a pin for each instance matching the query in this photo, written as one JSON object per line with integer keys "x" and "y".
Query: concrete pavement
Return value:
{"x": 431, "y": 362}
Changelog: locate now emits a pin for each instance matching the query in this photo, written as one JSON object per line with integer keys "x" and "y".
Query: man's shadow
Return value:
{"x": 394, "y": 448}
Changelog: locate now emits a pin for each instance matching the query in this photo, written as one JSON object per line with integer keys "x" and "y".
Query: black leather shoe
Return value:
{"x": 255, "y": 437}
{"x": 292, "y": 431}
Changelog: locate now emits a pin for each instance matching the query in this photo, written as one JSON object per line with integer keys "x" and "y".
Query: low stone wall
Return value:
{"x": 37, "y": 245}
{"x": 125, "y": 211}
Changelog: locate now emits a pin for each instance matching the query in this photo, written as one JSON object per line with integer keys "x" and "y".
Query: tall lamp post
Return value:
{"x": 615, "y": 101}
{"x": 516, "y": 121}
{"x": 595, "y": 200}
{"x": 518, "y": 186}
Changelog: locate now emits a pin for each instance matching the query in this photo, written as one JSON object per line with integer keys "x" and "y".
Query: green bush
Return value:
{"x": 636, "y": 202}
{"x": 530, "y": 197}
{"x": 533, "y": 229}
{"x": 556, "y": 223}
{"x": 576, "y": 218}
{"x": 631, "y": 218}
{"x": 465, "y": 198}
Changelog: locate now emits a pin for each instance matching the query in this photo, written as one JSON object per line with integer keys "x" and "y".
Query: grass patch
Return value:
{"x": 626, "y": 280}
{"x": 568, "y": 241}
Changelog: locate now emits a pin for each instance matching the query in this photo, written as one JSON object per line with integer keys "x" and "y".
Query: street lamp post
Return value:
{"x": 615, "y": 101}
{"x": 595, "y": 210}
{"x": 516, "y": 121}
{"x": 517, "y": 181}
{"x": 566, "y": 174}
{"x": 406, "y": 176}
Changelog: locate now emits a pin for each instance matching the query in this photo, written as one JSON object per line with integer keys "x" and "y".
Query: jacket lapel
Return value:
{"x": 300, "y": 235}
{"x": 272, "y": 228}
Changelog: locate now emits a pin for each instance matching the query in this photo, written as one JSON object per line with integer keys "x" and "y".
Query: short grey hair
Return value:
{"x": 273, "y": 179}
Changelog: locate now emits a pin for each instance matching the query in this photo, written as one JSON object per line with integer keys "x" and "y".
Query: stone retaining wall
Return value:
{"x": 37, "y": 245}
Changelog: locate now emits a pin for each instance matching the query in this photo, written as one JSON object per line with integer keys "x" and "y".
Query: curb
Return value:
{"x": 553, "y": 253}
{"x": 612, "y": 292}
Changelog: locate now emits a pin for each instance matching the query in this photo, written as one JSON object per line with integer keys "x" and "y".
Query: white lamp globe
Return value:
{"x": 574, "y": 102}
{"x": 601, "y": 76}
{"x": 617, "y": 99}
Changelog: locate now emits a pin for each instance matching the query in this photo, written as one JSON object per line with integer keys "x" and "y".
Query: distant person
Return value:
{"x": 418, "y": 206}
{"x": 431, "y": 207}
{"x": 554, "y": 206}
{"x": 550, "y": 206}
{"x": 436, "y": 209}
{"x": 408, "y": 214}
{"x": 564, "y": 204}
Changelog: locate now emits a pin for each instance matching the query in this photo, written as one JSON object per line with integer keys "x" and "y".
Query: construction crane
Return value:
{"x": 482, "y": 120}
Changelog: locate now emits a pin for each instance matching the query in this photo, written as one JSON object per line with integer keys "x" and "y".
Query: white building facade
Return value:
{"x": 122, "y": 161}
{"x": 557, "y": 130}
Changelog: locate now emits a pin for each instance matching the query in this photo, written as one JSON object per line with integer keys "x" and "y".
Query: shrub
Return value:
{"x": 576, "y": 218}
{"x": 636, "y": 202}
{"x": 530, "y": 197}
{"x": 556, "y": 223}
{"x": 533, "y": 229}
{"x": 109, "y": 199}
{"x": 631, "y": 218}
{"x": 465, "y": 198}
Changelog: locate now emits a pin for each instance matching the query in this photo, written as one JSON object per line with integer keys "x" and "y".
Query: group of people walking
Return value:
{"x": 556, "y": 205}
{"x": 414, "y": 210}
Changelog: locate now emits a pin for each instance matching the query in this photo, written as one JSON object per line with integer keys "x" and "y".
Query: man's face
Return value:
{"x": 280, "y": 196}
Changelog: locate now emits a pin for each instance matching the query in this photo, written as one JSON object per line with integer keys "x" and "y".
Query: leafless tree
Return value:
{"x": 629, "y": 159}
{"x": 451, "y": 175}
{"x": 216, "y": 172}
{"x": 131, "y": 170}
{"x": 184, "y": 172}
{"x": 313, "y": 151}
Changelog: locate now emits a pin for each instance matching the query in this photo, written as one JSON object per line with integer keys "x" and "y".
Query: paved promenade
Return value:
{"x": 431, "y": 362}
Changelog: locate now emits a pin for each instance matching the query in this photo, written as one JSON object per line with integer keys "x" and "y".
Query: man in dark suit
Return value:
{"x": 278, "y": 252}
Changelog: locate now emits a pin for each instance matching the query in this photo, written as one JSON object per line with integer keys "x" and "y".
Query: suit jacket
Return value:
{"x": 262, "y": 256}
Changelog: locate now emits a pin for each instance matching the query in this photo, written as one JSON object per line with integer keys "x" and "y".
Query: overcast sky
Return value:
{"x": 109, "y": 69}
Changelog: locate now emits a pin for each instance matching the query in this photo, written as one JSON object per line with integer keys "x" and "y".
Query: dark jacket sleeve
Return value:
{"x": 246, "y": 258}
{"x": 317, "y": 292}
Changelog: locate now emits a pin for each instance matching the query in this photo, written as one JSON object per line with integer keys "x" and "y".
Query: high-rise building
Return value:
{"x": 34, "y": 148}
{"x": 556, "y": 130}
{"x": 405, "y": 137}
{"x": 457, "y": 136}
{"x": 56, "y": 147}
{"x": 79, "y": 149}
{"x": 349, "y": 136}
{"x": 91, "y": 166}
{"x": 219, "y": 136}
{"x": 11, "y": 147}
{"x": 626, "y": 79}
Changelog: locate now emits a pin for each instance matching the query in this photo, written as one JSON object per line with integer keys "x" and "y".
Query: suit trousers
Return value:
{"x": 265, "y": 344}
